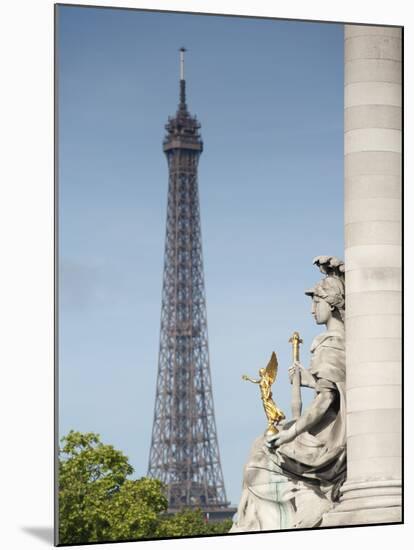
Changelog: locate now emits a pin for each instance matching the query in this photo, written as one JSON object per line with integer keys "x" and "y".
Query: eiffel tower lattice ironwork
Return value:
{"x": 184, "y": 450}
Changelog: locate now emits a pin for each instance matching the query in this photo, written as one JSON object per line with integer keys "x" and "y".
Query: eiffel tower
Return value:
{"x": 184, "y": 450}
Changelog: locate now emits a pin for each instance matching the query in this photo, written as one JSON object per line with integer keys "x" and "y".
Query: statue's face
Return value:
{"x": 321, "y": 310}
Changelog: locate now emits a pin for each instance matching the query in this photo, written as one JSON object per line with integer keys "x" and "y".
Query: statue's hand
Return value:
{"x": 285, "y": 436}
{"x": 292, "y": 369}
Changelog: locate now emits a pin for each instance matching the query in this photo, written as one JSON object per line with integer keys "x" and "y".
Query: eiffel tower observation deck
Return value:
{"x": 184, "y": 450}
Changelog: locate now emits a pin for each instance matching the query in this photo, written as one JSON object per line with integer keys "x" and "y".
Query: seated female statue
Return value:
{"x": 292, "y": 478}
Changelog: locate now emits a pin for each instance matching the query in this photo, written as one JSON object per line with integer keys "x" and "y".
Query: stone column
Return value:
{"x": 372, "y": 148}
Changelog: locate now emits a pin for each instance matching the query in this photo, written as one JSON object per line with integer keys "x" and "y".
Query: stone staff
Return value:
{"x": 295, "y": 340}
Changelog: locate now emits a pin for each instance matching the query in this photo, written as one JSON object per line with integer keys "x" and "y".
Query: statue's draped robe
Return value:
{"x": 295, "y": 485}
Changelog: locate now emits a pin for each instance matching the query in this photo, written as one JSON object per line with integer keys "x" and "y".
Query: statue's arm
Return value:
{"x": 306, "y": 378}
{"x": 245, "y": 377}
{"x": 306, "y": 421}
{"x": 315, "y": 412}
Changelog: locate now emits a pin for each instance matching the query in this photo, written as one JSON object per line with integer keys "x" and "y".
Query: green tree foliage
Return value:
{"x": 191, "y": 523}
{"x": 219, "y": 527}
{"x": 97, "y": 501}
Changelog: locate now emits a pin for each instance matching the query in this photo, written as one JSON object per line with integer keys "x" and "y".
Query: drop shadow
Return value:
{"x": 43, "y": 533}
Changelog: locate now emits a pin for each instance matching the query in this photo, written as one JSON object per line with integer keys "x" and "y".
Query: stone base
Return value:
{"x": 367, "y": 503}
{"x": 363, "y": 517}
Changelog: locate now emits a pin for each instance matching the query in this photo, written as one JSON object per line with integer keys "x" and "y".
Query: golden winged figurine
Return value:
{"x": 267, "y": 377}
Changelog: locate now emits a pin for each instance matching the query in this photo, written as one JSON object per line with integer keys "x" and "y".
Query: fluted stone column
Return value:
{"x": 372, "y": 143}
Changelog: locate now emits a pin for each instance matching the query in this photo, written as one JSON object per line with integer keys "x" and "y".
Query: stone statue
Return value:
{"x": 267, "y": 376}
{"x": 293, "y": 477}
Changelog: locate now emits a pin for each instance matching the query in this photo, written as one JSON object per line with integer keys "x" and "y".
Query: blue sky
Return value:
{"x": 269, "y": 96}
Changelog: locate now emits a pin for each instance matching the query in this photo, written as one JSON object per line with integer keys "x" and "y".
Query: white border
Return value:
{"x": 26, "y": 285}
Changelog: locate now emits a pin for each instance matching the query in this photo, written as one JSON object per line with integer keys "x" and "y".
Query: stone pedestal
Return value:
{"x": 372, "y": 143}
{"x": 367, "y": 502}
